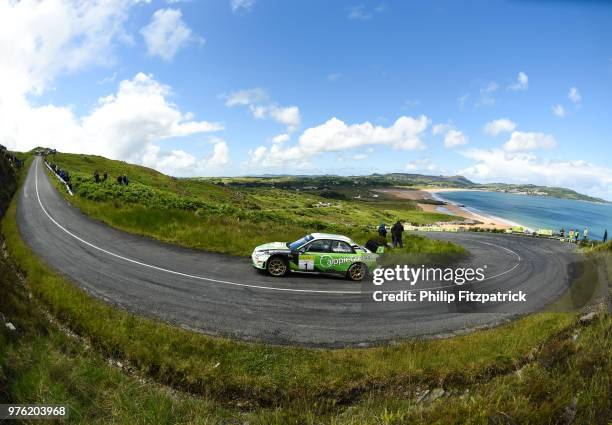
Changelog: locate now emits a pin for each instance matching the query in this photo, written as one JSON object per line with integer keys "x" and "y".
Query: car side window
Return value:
{"x": 319, "y": 246}
{"x": 341, "y": 247}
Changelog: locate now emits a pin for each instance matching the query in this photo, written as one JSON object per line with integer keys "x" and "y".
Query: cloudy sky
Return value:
{"x": 496, "y": 90}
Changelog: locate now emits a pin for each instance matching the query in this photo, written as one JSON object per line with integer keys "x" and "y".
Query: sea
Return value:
{"x": 536, "y": 212}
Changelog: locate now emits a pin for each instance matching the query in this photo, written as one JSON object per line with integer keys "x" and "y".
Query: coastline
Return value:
{"x": 478, "y": 219}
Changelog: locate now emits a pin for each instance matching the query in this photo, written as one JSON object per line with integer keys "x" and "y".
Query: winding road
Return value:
{"x": 224, "y": 295}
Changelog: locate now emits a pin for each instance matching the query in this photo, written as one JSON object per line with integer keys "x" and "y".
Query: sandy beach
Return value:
{"x": 479, "y": 220}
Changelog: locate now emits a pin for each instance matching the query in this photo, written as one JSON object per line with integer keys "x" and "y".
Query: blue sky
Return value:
{"x": 209, "y": 85}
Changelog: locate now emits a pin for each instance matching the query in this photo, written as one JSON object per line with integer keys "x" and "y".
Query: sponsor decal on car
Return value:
{"x": 328, "y": 261}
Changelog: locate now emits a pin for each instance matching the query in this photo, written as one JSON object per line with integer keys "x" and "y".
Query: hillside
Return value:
{"x": 417, "y": 181}
{"x": 228, "y": 217}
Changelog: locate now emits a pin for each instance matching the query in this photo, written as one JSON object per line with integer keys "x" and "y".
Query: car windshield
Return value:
{"x": 295, "y": 245}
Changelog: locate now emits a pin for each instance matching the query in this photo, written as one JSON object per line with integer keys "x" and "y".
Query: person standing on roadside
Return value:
{"x": 382, "y": 230}
{"x": 605, "y": 239}
{"x": 396, "y": 234}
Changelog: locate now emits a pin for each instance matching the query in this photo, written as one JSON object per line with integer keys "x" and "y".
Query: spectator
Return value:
{"x": 120, "y": 179}
{"x": 125, "y": 180}
{"x": 97, "y": 176}
{"x": 105, "y": 177}
{"x": 396, "y": 234}
{"x": 372, "y": 245}
{"x": 382, "y": 230}
{"x": 605, "y": 238}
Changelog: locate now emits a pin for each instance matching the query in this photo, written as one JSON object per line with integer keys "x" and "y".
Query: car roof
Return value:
{"x": 332, "y": 236}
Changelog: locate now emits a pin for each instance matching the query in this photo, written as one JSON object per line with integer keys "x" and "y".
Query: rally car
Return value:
{"x": 316, "y": 253}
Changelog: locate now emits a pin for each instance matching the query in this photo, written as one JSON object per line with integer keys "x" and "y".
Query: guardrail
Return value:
{"x": 59, "y": 178}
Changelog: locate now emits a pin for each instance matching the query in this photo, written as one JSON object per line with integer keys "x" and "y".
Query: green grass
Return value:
{"x": 239, "y": 382}
{"x": 40, "y": 364}
{"x": 421, "y": 250}
{"x": 264, "y": 373}
{"x": 198, "y": 214}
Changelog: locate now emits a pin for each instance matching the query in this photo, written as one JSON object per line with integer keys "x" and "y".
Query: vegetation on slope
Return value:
{"x": 541, "y": 369}
{"x": 199, "y": 214}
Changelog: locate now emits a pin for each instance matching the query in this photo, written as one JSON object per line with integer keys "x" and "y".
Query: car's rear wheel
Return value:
{"x": 277, "y": 266}
{"x": 357, "y": 272}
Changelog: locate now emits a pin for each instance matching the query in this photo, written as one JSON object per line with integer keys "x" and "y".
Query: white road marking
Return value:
{"x": 244, "y": 285}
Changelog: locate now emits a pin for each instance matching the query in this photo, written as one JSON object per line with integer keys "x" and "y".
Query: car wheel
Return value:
{"x": 277, "y": 266}
{"x": 357, "y": 272}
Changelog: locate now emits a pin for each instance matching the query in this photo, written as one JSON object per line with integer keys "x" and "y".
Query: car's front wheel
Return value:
{"x": 277, "y": 266}
{"x": 357, "y": 272}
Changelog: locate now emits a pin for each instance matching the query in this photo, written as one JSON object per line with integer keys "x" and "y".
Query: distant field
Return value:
{"x": 226, "y": 216}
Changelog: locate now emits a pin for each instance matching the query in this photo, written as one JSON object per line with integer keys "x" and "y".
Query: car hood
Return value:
{"x": 273, "y": 246}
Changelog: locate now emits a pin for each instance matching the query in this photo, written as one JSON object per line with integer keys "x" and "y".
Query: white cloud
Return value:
{"x": 242, "y": 5}
{"x": 124, "y": 125}
{"x": 334, "y": 77}
{"x": 289, "y": 116}
{"x": 502, "y": 125}
{"x": 575, "y": 96}
{"x": 167, "y": 33}
{"x": 461, "y": 100}
{"x": 220, "y": 155}
{"x": 41, "y": 39}
{"x": 454, "y": 138}
{"x": 440, "y": 129}
{"x": 497, "y": 165}
{"x": 558, "y": 110}
{"x": 336, "y": 136}
{"x": 521, "y": 142}
{"x": 181, "y": 163}
{"x": 486, "y": 94}
{"x": 246, "y": 97}
{"x": 522, "y": 82}
{"x": 281, "y": 138}
{"x": 423, "y": 164}
{"x": 257, "y": 101}
{"x": 361, "y": 13}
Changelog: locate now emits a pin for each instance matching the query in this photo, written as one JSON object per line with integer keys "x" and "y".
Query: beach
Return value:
{"x": 477, "y": 219}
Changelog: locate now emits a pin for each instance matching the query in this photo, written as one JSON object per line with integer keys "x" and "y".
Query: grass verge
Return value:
{"x": 268, "y": 375}
{"x": 279, "y": 385}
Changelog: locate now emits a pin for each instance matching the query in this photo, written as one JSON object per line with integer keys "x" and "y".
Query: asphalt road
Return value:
{"x": 223, "y": 295}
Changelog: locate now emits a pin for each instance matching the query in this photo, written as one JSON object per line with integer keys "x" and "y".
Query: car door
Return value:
{"x": 341, "y": 256}
{"x": 314, "y": 252}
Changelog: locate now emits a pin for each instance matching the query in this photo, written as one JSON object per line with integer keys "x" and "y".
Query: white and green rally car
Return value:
{"x": 316, "y": 253}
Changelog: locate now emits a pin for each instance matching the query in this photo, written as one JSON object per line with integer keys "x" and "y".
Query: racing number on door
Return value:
{"x": 313, "y": 251}
{"x": 306, "y": 262}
